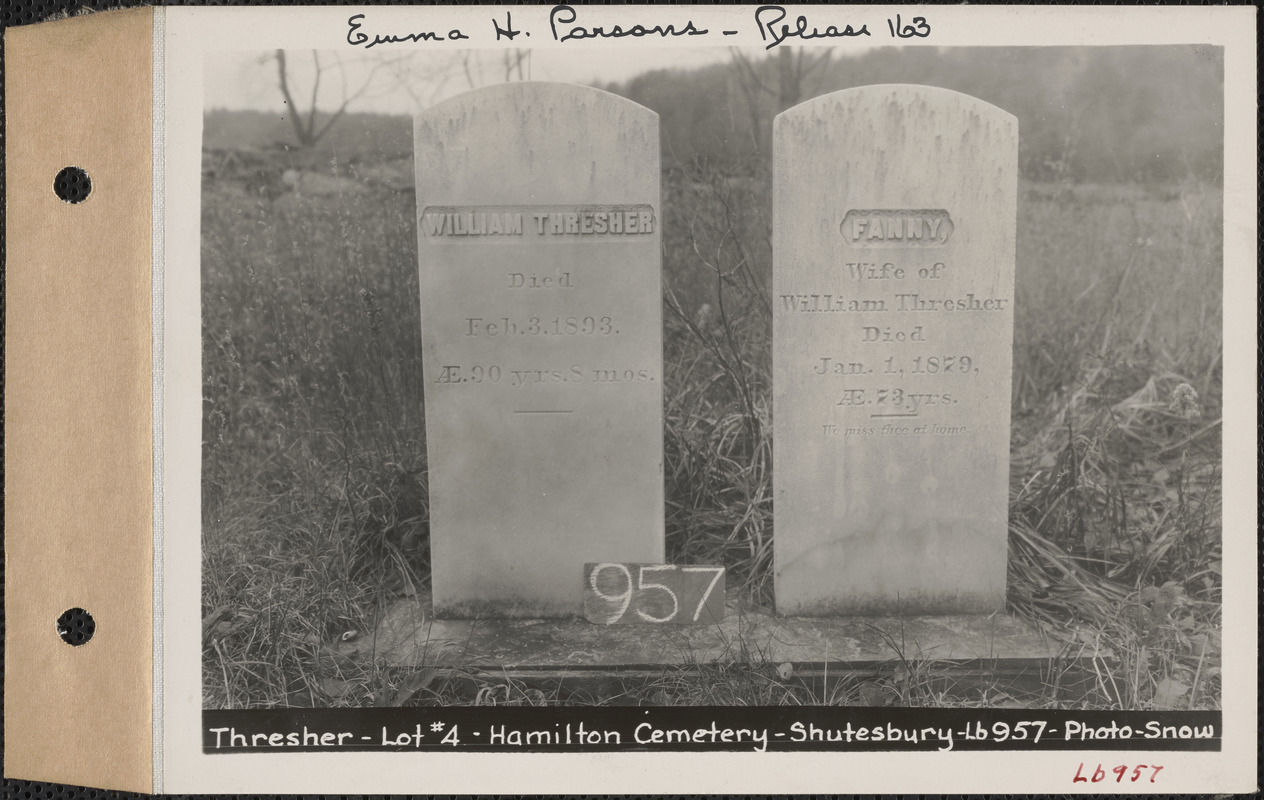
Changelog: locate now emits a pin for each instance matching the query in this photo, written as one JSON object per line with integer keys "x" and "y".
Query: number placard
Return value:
{"x": 653, "y": 593}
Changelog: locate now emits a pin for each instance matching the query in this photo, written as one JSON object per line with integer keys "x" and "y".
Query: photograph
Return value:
{"x": 825, "y": 374}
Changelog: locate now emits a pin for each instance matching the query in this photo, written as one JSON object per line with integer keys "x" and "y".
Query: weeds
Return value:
{"x": 315, "y": 498}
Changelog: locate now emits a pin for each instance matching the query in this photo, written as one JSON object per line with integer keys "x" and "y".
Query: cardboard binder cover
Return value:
{"x": 78, "y": 400}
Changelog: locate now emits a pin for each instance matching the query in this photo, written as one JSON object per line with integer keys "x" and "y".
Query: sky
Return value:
{"x": 248, "y": 80}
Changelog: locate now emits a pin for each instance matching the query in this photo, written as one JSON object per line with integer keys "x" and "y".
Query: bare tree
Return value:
{"x": 513, "y": 61}
{"x": 423, "y": 78}
{"x": 310, "y": 124}
{"x": 787, "y": 87}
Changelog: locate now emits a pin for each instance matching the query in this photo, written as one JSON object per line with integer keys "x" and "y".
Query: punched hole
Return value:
{"x": 75, "y": 627}
{"x": 72, "y": 184}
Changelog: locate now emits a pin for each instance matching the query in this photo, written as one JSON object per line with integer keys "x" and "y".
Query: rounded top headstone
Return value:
{"x": 906, "y": 93}
{"x": 894, "y": 213}
{"x": 565, "y": 142}
{"x": 539, "y": 91}
{"x": 539, "y": 269}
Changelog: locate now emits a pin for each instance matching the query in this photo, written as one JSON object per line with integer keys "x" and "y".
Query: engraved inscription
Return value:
{"x": 540, "y": 326}
{"x": 601, "y": 222}
{"x": 476, "y": 374}
{"x": 471, "y": 223}
{"x": 895, "y": 364}
{"x": 897, "y": 227}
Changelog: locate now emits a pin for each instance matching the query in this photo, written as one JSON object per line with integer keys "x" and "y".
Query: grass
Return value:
{"x": 315, "y": 500}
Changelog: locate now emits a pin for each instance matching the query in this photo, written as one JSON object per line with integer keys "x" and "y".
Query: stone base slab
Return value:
{"x": 409, "y": 636}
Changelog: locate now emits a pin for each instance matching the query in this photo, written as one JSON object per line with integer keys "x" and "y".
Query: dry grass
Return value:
{"x": 314, "y": 474}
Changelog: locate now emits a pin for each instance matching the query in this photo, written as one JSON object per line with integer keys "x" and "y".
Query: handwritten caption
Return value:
{"x": 565, "y": 24}
{"x": 1098, "y": 774}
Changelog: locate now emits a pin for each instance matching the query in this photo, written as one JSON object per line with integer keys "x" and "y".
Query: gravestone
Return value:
{"x": 541, "y": 318}
{"x": 894, "y": 217}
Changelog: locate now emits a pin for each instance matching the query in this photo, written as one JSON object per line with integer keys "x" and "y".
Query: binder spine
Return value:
{"x": 78, "y": 401}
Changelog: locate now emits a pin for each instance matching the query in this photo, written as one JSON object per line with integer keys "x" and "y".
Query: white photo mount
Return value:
{"x": 104, "y": 433}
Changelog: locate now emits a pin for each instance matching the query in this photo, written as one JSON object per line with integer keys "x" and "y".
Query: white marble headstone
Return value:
{"x": 541, "y": 308}
{"x": 894, "y": 217}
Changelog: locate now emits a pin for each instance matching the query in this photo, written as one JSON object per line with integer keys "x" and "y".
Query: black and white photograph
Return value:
{"x": 642, "y": 399}
{"x": 823, "y": 374}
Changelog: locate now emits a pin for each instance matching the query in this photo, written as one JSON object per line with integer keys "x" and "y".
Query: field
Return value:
{"x": 314, "y": 464}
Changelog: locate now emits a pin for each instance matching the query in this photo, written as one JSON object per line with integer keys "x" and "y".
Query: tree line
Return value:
{"x": 1103, "y": 114}
{"x": 1085, "y": 114}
